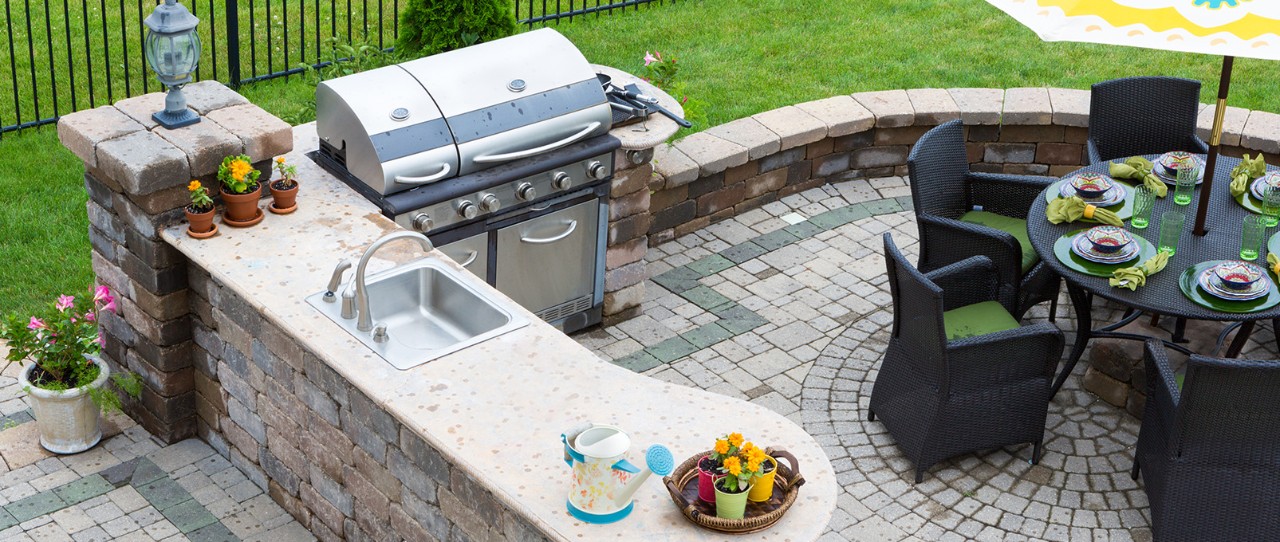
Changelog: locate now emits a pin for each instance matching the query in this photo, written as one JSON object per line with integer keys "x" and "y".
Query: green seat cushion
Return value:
{"x": 977, "y": 319}
{"x": 1016, "y": 227}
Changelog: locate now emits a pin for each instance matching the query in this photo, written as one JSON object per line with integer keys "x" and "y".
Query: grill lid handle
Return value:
{"x": 444, "y": 172}
{"x": 486, "y": 158}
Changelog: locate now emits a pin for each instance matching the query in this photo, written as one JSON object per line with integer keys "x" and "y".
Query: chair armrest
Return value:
{"x": 1025, "y": 353}
{"x": 968, "y": 281}
{"x": 944, "y": 241}
{"x": 1092, "y": 148}
{"x": 1162, "y": 391}
{"x": 1199, "y": 144}
{"x": 1008, "y": 195}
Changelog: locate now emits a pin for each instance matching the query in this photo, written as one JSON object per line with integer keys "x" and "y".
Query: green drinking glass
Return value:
{"x": 1171, "y": 231}
{"x": 1144, "y": 200}
{"x": 1251, "y": 234}
{"x": 1188, "y": 174}
{"x": 1271, "y": 205}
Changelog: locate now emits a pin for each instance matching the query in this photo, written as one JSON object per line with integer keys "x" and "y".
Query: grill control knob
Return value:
{"x": 561, "y": 181}
{"x": 526, "y": 192}
{"x": 490, "y": 203}
{"x": 597, "y": 171}
{"x": 467, "y": 210}
{"x": 422, "y": 222}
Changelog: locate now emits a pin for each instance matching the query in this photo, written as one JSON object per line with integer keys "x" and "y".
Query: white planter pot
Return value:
{"x": 68, "y": 420}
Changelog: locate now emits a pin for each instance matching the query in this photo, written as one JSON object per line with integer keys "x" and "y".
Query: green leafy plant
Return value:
{"x": 61, "y": 343}
{"x": 428, "y": 27}
{"x": 661, "y": 72}
{"x": 658, "y": 70}
{"x": 237, "y": 175}
{"x": 200, "y": 200}
{"x": 288, "y": 173}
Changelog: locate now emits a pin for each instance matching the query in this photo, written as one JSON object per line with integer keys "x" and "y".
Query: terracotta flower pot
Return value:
{"x": 242, "y": 207}
{"x": 199, "y": 222}
{"x": 285, "y": 200}
{"x": 68, "y": 419}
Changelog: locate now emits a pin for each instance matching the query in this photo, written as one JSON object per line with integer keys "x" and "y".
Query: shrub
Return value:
{"x": 428, "y": 27}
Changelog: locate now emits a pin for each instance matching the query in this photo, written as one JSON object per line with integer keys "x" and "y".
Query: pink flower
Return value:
{"x": 111, "y": 304}
{"x": 650, "y": 59}
{"x": 36, "y": 323}
{"x": 101, "y": 294}
{"x": 89, "y": 317}
{"x": 65, "y": 302}
{"x": 100, "y": 341}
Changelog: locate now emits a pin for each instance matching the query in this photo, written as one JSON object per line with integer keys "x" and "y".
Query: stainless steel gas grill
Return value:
{"x": 498, "y": 152}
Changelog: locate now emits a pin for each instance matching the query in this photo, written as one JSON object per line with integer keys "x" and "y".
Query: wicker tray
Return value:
{"x": 682, "y": 484}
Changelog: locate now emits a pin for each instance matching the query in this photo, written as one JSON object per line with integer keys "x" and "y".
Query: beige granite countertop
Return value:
{"x": 510, "y": 396}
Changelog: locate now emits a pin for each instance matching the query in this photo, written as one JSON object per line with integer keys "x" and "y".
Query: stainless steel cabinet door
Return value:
{"x": 472, "y": 253}
{"x": 550, "y": 260}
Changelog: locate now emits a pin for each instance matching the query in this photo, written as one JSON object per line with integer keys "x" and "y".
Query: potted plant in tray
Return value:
{"x": 732, "y": 489}
{"x": 66, "y": 381}
{"x": 240, "y": 191}
{"x": 200, "y": 212}
{"x": 710, "y": 467}
{"x": 765, "y": 467}
{"x": 284, "y": 191}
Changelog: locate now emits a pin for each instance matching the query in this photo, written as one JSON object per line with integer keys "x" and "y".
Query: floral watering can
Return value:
{"x": 603, "y": 481}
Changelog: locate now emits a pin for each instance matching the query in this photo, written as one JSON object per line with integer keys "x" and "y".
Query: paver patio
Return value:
{"x": 786, "y": 306}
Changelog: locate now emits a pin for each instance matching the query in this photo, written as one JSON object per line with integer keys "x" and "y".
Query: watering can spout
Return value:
{"x": 658, "y": 459}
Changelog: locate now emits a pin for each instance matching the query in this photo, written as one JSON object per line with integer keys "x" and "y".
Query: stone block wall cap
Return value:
{"x": 750, "y": 133}
{"x": 1070, "y": 106}
{"x": 793, "y": 125}
{"x": 1232, "y": 125}
{"x": 81, "y": 132}
{"x": 205, "y": 144}
{"x": 1262, "y": 132}
{"x": 141, "y": 107}
{"x": 207, "y": 96}
{"x": 1030, "y": 106}
{"x": 674, "y": 166}
{"x": 979, "y": 105}
{"x": 933, "y": 106}
{"x": 892, "y": 108}
{"x": 264, "y": 136}
{"x": 143, "y": 162}
{"x": 711, "y": 153}
{"x": 842, "y": 114}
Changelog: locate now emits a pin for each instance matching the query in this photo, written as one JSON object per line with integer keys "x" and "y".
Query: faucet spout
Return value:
{"x": 365, "y": 321}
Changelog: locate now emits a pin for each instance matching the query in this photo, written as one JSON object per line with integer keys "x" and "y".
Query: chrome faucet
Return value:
{"x": 365, "y": 322}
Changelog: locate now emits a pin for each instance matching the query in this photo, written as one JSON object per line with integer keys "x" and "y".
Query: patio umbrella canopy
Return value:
{"x": 1229, "y": 28}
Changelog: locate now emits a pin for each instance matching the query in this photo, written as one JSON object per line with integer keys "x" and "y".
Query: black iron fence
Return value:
{"x": 67, "y": 55}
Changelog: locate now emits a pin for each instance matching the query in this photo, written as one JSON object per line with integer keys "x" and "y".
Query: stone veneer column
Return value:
{"x": 136, "y": 174}
{"x": 628, "y": 240}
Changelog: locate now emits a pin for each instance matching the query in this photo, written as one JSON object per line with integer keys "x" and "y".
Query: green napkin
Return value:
{"x": 1137, "y": 168}
{"x": 1133, "y": 277}
{"x": 1248, "y": 170}
{"x": 1073, "y": 208}
{"x": 1273, "y": 263}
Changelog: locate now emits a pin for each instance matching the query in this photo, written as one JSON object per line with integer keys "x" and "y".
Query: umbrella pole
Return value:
{"x": 1211, "y": 163}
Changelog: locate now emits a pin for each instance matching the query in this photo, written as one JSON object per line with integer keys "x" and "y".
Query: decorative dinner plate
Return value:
{"x": 1260, "y": 184}
{"x": 1068, "y": 257}
{"x": 1189, "y": 283}
{"x": 1122, "y": 209}
{"x": 1170, "y": 160}
{"x": 1114, "y": 196}
{"x": 1081, "y": 246}
{"x": 1213, "y": 286}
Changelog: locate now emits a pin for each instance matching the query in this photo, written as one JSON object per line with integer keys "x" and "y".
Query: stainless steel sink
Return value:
{"x": 424, "y": 310}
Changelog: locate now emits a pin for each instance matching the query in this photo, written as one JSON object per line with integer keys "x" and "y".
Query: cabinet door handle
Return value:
{"x": 573, "y": 225}
{"x": 470, "y": 258}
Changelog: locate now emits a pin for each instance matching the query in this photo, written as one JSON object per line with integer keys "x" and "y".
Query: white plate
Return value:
{"x": 1115, "y": 195}
{"x": 1212, "y": 285}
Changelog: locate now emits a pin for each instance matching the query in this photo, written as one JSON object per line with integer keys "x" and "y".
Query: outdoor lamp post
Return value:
{"x": 173, "y": 50}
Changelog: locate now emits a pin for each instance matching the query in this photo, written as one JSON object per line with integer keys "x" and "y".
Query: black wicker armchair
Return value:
{"x": 1209, "y": 455}
{"x": 1143, "y": 115}
{"x": 961, "y": 213}
{"x": 960, "y": 374}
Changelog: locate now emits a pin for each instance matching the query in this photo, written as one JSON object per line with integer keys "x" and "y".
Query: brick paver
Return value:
{"x": 800, "y": 323}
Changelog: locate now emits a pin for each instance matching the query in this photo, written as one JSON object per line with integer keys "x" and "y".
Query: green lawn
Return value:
{"x": 737, "y": 58}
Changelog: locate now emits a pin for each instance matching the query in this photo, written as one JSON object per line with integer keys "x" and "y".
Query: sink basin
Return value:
{"x": 429, "y": 310}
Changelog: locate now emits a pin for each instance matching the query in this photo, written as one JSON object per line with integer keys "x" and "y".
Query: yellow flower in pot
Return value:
{"x": 240, "y": 191}
{"x": 284, "y": 191}
{"x": 200, "y": 212}
{"x": 732, "y": 489}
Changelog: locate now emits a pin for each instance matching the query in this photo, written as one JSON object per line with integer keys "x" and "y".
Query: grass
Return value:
{"x": 737, "y": 57}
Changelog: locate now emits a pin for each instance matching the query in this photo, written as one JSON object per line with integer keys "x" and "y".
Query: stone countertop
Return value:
{"x": 496, "y": 409}
{"x": 656, "y": 129}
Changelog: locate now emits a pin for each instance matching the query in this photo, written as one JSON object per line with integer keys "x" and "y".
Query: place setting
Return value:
{"x": 1096, "y": 190}
{"x": 1235, "y": 286}
{"x": 1101, "y": 250}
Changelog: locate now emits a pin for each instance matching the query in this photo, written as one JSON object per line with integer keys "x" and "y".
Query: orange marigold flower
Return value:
{"x": 239, "y": 169}
{"x": 753, "y": 465}
{"x": 722, "y": 446}
{"x": 279, "y": 159}
{"x": 193, "y": 186}
{"x": 733, "y": 465}
{"x": 735, "y": 439}
{"x": 756, "y": 454}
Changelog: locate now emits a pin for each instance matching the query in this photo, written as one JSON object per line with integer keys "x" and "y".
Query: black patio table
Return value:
{"x": 1161, "y": 294}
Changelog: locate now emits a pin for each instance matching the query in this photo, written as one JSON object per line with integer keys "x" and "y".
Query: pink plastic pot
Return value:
{"x": 706, "y": 483}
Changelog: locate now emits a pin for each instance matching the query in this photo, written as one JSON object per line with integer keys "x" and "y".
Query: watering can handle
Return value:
{"x": 778, "y": 453}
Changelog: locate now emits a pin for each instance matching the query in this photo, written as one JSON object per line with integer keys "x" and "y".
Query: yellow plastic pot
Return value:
{"x": 762, "y": 486}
